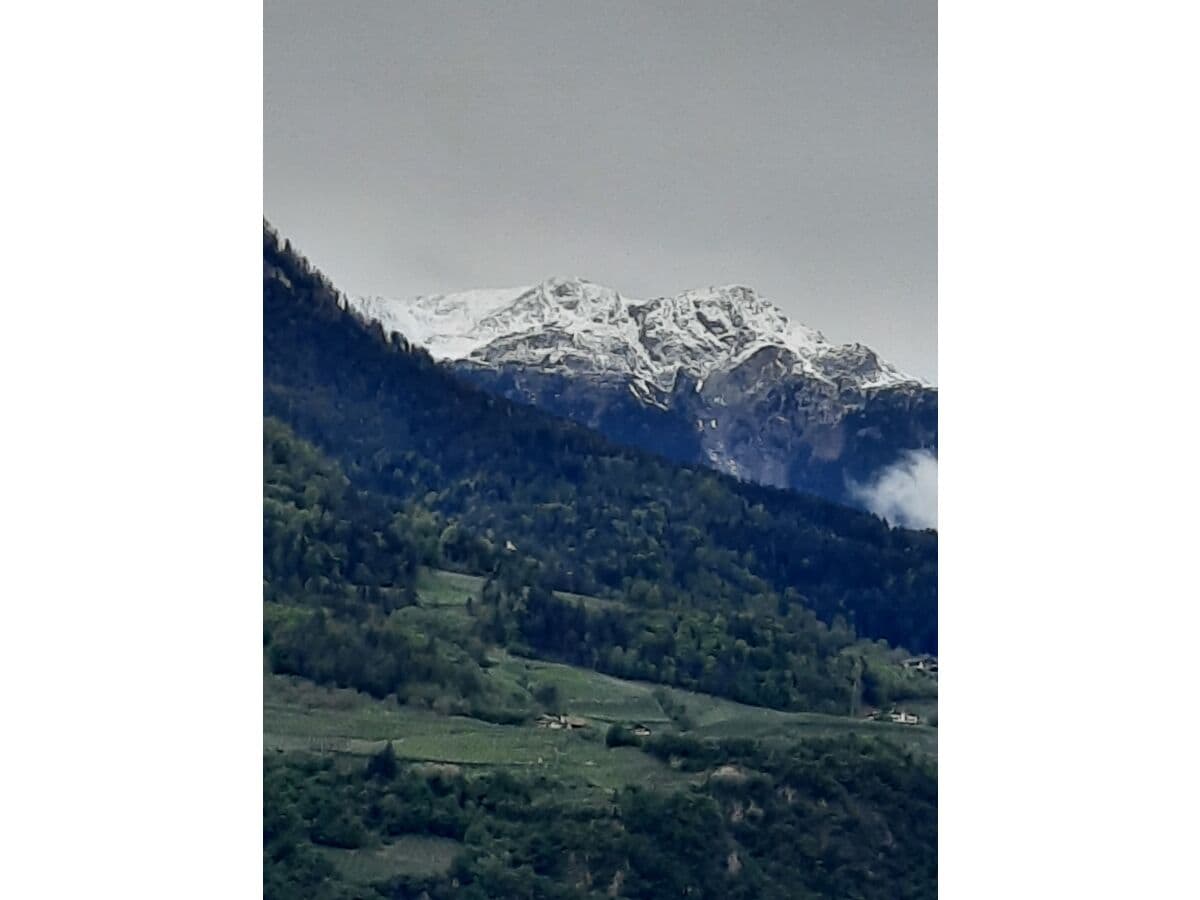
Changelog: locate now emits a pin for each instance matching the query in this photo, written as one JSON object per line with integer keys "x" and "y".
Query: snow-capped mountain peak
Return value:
{"x": 718, "y": 376}
{"x": 582, "y": 328}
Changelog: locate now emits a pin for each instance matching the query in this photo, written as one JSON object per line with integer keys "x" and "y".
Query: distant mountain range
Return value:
{"x": 717, "y": 376}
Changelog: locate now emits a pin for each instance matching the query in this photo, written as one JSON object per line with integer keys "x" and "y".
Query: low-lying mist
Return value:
{"x": 905, "y": 493}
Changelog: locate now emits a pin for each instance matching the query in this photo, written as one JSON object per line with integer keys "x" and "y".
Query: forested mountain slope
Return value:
{"x": 476, "y": 800}
{"x": 340, "y": 571}
{"x": 600, "y": 519}
{"x": 811, "y": 821}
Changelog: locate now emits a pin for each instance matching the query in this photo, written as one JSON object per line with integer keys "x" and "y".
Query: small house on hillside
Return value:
{"x": 926, "y": 663}
{"x": 904, "y": 718}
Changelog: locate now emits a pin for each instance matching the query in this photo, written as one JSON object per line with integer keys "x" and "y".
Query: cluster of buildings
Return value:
{"x": 557, "y": 722}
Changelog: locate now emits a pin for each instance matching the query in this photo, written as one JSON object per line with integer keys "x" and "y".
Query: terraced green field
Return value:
{"x": 298, "y": 715}
{"x": 419, "y": 855}
{"x": 582, "y": 691}
{"x": 607, "y": 699}
{"x": 437, "y": 587}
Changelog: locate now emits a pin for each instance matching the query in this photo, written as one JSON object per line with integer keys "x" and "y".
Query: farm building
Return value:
{"x": 557, "y": 723}
{"x": 926, "y": 663}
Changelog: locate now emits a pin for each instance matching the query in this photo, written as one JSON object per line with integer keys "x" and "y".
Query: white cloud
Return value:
{"x": 905, "y": 493}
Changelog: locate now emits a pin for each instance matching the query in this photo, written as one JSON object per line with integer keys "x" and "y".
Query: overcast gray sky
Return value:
{"x": 427, "y": 147}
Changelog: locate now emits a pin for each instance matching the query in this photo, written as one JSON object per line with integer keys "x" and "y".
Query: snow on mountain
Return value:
{"x": 445, "y": 324}
{"x": 716, "y": 376}
{"x": 576, "y": 327}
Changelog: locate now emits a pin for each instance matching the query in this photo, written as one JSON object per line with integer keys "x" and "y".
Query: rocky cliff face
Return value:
{"x": 717, "y": 376}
